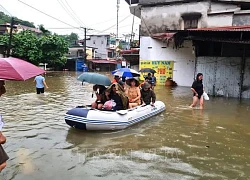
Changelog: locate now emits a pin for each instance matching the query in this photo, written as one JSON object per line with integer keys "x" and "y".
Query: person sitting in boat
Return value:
{"x": 147, "y": 95}
{"x": 100, "y": 96}
{"x": 116, "y": 93}
{"x": 122, "y": 84}
{"x": 145, "y": 80}
{"x": 133, "y": 93}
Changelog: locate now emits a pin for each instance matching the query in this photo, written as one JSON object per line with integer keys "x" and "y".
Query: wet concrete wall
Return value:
{"x": 158, "y": 19}
{"x": 246, "y": 82}
{"x": 220, "y": 20}
{"x": 241, "y": 19}
{"x": 221, "y": 75}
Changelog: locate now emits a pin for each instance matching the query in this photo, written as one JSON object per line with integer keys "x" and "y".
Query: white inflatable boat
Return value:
{"x": 93, "y": 119}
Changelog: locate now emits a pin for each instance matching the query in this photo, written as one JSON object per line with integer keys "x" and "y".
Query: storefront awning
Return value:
{"x": 102, "y": 61}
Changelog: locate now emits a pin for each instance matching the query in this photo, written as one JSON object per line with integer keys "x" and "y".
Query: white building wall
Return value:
{"x": 220, "y": 7}
{"x": 184, "y": 59}
{"x": 220, "y": 20}
{"x": 99, "y": 42}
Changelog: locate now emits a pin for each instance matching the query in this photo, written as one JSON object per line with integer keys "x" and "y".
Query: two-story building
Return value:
{"x": 180, "y": 38}
{"x": 105, "y": 45}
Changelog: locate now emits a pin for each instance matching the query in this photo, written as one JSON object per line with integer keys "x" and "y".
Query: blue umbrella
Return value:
{"x": 126, "y": 72}
{"x": 94, "y": 78}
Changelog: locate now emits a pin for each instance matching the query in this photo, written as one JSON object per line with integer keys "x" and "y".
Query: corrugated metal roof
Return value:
{"x": 219, "y": 40}
{"x": 225, "y": 28}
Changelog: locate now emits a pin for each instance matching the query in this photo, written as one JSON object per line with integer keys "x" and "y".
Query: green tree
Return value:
{"x": 26, "y": 46}
{"x": 43, "y": 30}
{"x": 49, "y": 49}
{"x": 71, "y": 38}
{"x": 6, "y": 19}
{"x": 53, "y": 49}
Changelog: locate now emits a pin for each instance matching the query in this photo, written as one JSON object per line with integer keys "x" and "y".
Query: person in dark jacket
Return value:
{"x": 147, "y": 95}
{"x": 198, "y": 90}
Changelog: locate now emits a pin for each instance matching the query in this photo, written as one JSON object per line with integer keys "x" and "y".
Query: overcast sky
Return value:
{"x": 96, "y": 14}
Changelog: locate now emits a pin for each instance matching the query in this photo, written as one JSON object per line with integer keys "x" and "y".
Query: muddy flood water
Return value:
{"x": 180, "y": 143}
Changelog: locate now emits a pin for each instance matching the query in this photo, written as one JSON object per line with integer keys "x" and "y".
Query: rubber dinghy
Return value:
{"x": 93, "y": 119}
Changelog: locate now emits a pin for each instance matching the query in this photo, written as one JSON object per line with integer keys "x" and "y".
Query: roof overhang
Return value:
{"x": 102, "y": 61}
{"x": 228, "y": 34}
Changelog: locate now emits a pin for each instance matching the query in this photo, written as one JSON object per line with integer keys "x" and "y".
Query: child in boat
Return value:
{"x": 147, "y": 95}
{"x": 100, "y": 96}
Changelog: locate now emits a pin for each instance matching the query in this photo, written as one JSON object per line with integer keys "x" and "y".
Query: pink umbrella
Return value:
{"x": 17, "y": 69}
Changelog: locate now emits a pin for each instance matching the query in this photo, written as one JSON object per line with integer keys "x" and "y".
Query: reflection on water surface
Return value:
{"x": 180, "y": 143}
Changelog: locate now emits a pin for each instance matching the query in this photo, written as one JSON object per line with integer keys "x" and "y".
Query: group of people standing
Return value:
{"x": 126, "y": 94}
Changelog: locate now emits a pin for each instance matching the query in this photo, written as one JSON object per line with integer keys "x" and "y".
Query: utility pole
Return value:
{"x": 10, "y": 36}
{"x": 132, "y": 33}
{"x": 117, "y": 26}
{"x": 85, "y": 44}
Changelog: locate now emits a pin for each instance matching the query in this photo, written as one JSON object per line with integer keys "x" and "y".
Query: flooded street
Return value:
{"x": 180, "y": 143}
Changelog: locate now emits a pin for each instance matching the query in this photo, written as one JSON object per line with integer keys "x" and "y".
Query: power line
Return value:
{"x": 47, "y": 14}
{"x": 6, "y": 10}
{"x": 69, "y": 12}
{"x": 116, "y": 24}
{"x": 74, "y": 13}
{"x": 96, "y": 30}
{"x": 105, "y": 21}
{"x": 64, "y": 28}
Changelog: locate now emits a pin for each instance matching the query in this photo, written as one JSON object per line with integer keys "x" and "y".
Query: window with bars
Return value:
{"x": 190, "y": 24}
{"x": 191, "y": 20}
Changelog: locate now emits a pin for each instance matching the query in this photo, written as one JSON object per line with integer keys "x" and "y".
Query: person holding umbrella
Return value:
{"x": 17, "y": 70}
{"x": 3, "y": 156}
{"x": 153, "y": 81}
